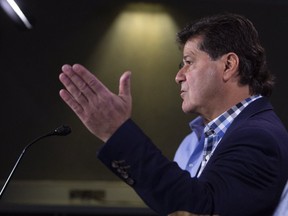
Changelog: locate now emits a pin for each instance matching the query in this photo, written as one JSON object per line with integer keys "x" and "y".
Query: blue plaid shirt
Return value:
{"x": 215, "y": 130}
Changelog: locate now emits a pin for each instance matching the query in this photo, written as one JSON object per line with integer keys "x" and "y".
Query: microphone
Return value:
{"x": 63, "y": 130}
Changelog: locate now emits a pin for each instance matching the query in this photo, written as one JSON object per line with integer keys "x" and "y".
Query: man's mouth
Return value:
{"x": 182, "y": 92}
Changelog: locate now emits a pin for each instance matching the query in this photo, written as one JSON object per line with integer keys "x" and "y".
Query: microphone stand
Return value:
{"x": 60, "y": 131}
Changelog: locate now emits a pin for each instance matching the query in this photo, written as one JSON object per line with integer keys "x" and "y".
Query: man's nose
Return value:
{"x": 180, "y": 77}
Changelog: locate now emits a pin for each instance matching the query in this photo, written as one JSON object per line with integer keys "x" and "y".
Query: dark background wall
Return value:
{"x": 74, "y": 31}
{"x": 87, "y": 32}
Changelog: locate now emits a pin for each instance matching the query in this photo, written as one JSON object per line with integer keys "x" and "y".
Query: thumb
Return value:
{"x": 125, "y": 84}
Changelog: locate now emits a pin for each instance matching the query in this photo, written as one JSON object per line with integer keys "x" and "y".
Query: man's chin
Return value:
{"x": 188, "y": 109}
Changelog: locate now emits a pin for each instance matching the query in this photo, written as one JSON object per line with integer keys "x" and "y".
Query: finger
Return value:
{"x": 72, "y": 89}
{"x": 125, "y": 84}
{"x": 81, "y": 87}
{"x": 71, "y": 102}
{"x": 90, "y": 79}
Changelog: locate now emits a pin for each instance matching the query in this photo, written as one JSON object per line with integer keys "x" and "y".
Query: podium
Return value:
{"x": 67, "y": 198}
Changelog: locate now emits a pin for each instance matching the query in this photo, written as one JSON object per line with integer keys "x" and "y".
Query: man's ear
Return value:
{"x": 231, "y": 61}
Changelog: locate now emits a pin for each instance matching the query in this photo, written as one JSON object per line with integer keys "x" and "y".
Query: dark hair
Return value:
{"x": 233, "y": 33}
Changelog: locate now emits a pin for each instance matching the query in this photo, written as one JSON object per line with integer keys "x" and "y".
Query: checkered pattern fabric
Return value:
{"x": 215, "y": 130}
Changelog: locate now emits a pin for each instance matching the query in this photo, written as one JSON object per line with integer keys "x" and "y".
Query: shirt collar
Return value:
{"x": 220, "y": 124}
{"x": 197, "y": 126}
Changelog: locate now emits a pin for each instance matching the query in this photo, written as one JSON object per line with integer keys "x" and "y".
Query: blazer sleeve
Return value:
{"x": 239, "y": 179}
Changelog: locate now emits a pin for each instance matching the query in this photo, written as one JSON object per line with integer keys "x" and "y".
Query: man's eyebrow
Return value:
{"x": 185, "y": 57}
{"x": 189, "y": 54}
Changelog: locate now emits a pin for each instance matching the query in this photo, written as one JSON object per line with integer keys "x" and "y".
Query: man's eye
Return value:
{"x": 181, "y": 65}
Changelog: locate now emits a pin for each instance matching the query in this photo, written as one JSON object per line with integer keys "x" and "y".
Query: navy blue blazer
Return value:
{"x": 245, "y": 175}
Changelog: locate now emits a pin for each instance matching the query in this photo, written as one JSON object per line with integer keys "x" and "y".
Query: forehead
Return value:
{"x": 192, "y": 46}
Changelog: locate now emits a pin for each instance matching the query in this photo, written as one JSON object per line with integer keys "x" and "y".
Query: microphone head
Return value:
{"x": 63, "y": 130}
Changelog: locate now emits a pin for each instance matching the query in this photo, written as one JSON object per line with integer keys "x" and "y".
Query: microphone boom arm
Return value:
{"x": 60, "y": 131}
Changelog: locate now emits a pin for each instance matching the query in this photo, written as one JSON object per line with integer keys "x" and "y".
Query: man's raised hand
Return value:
{"x": 100, "y": 110}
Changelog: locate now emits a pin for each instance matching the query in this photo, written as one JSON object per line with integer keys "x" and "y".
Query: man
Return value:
{"x": 242, "y": 166}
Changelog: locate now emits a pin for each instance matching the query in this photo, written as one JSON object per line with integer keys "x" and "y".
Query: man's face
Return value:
{"x": 200, "y": 79}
